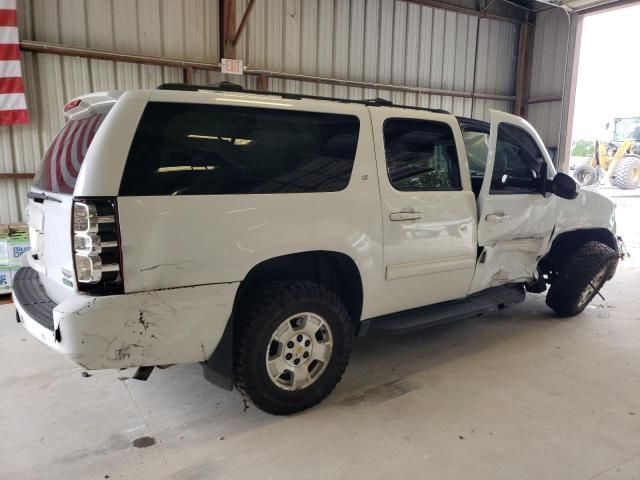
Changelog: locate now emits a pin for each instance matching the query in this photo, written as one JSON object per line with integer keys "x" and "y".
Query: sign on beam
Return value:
{"x": 231, "y": 66}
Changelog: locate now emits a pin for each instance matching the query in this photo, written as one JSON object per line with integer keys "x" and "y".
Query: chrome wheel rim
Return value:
{"x": 299, "y": 351}
{"x": 590, "y": 291}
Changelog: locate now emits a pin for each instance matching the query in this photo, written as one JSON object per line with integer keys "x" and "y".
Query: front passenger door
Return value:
{"x": 515, "y": 220}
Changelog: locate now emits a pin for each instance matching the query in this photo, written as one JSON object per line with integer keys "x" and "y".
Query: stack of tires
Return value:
{"x": 625, "y": 177}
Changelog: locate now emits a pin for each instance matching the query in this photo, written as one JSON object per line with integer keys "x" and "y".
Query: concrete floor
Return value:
{"x": 516, "y": 395}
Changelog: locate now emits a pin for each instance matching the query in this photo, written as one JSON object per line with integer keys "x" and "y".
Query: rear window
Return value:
{"x": 192, "y": 149}
{"x": 63, "y": 159}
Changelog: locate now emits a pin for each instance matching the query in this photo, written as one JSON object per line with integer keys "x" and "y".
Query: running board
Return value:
{"x": 481, "y": 303}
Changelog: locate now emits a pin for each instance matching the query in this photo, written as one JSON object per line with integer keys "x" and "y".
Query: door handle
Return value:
{"x": 402, "y": 216}
{"x": 497, "y": 217}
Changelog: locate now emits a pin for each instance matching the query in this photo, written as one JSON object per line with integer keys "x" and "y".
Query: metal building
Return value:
{"x": 509, "y": 55}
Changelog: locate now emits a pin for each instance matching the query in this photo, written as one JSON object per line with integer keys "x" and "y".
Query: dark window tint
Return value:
{"x": 421, "y": 155}
{"x": 190, "y": 149}
{"x": 518, "y": 164}
{"x": 63, "y": 159}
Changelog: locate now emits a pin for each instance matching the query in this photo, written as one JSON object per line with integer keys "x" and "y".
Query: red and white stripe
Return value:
{"x": 13, "y": 105}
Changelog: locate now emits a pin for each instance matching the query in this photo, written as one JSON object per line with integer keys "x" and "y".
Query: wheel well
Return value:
{"x": 335, "y": 271}
{"x": 568, "y": 242}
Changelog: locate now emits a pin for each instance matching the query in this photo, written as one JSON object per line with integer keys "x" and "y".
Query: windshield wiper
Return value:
{"x": 41, "y": 197}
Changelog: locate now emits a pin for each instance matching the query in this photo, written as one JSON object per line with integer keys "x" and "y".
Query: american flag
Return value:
{"x": 13, "y": 105}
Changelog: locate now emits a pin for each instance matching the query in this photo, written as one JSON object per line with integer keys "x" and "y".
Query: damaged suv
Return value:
{"x": 259, "y": 233}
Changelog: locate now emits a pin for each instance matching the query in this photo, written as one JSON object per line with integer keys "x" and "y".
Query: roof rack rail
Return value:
{"x": 233, "y": 87}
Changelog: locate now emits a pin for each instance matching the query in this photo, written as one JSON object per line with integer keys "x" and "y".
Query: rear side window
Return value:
{"x": 63, "y": 159}
{"x": 421, "y": 155}
{"x": 193, "y": 149}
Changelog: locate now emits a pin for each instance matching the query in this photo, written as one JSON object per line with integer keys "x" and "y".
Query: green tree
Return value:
{"x": 582, "y": 148}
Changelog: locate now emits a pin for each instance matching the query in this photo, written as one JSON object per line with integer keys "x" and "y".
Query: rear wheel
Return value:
{"x": 582, "y": 276}
{"x": 627, "y": 174}
{"x": 293, "y": 346}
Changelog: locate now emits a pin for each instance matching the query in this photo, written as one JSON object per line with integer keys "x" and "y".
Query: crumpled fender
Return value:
{"x": 589, "y": 210}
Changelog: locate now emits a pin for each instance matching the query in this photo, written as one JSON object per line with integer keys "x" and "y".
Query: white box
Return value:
{"x": 5, "y": 279}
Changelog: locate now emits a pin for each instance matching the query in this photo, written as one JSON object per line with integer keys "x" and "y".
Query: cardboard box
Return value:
{"x": 5, "y": 279}
{"x": 18, "y": 243}
{"x": 4, "y": 244}
{"x": 14, "y": 241}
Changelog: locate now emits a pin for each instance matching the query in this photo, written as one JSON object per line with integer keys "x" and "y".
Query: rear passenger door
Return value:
{"x": 428, "y": 208}
{"x": 515, "y": 220}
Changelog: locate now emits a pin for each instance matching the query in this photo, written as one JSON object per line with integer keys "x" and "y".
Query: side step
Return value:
{"x": 481, "y": 303}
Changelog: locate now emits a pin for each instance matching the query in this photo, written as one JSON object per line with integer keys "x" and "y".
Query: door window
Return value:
{"x": 518, "y": 162}
{"x": 421, "y": 155}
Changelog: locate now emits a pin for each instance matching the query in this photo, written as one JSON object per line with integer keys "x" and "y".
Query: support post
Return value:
{"x": 262, "y": 83}
{"x": 229, "y": 28}
{"x": 523, "y": 69}
{"x": 187, "y": 75}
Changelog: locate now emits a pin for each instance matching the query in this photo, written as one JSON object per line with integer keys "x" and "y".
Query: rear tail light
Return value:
{"x": 96, "y": 245}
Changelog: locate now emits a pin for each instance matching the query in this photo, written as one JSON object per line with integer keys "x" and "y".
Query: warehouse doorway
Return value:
{"x": 605, "y": 131}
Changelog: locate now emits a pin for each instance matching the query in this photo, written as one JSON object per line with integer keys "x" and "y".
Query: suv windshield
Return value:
{"x": 63, "y": 159}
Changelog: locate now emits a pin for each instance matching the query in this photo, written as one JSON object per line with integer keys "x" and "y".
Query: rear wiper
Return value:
{"x": 41, "y": 197}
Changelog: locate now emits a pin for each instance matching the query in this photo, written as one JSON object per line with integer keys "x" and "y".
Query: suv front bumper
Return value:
{"x": 180, "y": 325}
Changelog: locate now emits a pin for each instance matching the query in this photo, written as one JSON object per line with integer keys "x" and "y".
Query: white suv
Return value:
{"x": 258, "y": 233}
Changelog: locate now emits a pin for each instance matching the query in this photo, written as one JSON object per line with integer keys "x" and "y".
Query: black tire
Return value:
{"x": 627, "y": 174}
{"x": 263, "y": 314}
{"x": 586, "y": 175}
{"x": 571, "y": 291}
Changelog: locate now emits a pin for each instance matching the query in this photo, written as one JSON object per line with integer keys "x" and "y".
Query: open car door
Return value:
{"x": 515, "y": 218}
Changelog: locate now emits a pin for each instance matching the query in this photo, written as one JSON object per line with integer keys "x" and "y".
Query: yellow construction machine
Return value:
{"x": 616, "y": 162}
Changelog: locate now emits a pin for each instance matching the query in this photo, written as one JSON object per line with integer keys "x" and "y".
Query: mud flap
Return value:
{"x": 218, "y": 368}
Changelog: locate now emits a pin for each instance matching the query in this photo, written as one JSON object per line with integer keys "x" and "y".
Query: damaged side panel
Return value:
{"x": 512, "y": 248}
{"x": 161, "y": 327}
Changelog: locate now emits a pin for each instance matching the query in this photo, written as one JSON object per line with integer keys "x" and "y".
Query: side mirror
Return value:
{"x": 564, "y": 186}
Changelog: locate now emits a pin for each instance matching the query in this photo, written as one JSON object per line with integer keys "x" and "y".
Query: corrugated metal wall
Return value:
{"x": 382, "y": 41}
{"x": 547, "y": 73}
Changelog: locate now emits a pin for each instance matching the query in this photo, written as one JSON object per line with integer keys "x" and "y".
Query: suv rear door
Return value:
{"x": 515, "y": 220}
{"x": 428, "y": 208}
{"x": 49, "y": 210}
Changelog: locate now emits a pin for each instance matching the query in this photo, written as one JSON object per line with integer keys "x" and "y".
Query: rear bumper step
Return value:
{"x": 32, "y": 297}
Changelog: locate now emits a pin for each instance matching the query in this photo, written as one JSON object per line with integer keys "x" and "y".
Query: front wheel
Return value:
{"x": 293, "y": 345}
{"x": 580, "y": 279}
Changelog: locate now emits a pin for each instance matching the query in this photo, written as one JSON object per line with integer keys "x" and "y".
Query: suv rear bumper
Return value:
{"x": 180, "y": 325}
